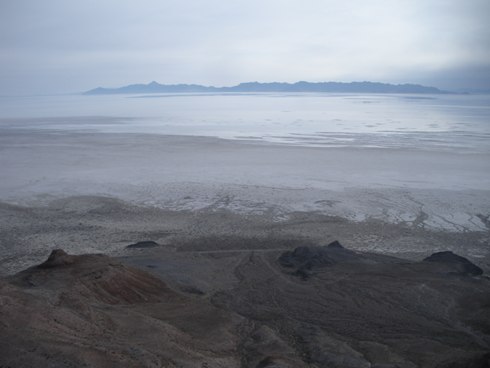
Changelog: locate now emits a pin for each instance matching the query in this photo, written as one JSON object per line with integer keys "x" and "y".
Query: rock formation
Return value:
{"x": 354, "y": 310}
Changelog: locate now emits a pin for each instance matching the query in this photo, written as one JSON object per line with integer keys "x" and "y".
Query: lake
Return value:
{"x": 457, "y": 123}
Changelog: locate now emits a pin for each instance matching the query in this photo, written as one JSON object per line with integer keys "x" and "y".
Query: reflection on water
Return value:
{"x": 435, "y": 122}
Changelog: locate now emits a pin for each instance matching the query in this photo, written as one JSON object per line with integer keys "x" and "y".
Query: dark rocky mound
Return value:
{"x": 144, "y": 244}
{"x": 335, "y": 244}
{"x": 317, "y": 256}
{"x": 94, "y": 277}
{"x": 93, "y": 311}
{"x": 57, "y": 258}
{"x": 307, "y": 258}
{"x": 460, "y": 265}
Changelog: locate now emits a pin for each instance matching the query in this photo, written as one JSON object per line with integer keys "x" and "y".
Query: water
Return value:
{"x": 431, "y": 122}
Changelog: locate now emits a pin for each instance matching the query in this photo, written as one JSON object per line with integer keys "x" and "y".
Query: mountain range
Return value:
{"x": 332, "y": 87}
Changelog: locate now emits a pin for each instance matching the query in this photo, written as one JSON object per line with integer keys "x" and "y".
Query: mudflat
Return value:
{"x": 97, "y": 192}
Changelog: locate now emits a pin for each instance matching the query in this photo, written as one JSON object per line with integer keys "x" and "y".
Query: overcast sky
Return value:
{"x": 57, "y": 46}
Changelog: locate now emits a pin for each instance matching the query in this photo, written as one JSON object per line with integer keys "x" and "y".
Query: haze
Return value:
{"x": 55, "y": 46}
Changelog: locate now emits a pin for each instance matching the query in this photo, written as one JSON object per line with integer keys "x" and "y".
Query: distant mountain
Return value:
{"x": 335, "y": 87}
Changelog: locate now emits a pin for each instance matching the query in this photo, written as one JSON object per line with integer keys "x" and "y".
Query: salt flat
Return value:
{"x": 440, "y": 190}
{"x": 386, "y": 200}
{"x": 387, "y": 165}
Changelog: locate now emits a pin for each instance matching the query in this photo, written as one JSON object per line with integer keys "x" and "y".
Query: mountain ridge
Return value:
{"x": 301, "y": 86}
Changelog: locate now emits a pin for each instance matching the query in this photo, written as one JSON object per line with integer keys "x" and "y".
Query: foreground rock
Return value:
{"x": 350, "y": 310}
{"x": 91, "y": 310}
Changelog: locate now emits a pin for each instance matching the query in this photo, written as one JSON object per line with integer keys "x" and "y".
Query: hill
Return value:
{"x": 331, "y": 87}
{"x": 311, "y": 306}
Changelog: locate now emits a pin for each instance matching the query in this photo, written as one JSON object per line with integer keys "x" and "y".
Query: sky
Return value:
{"x": 60, "y": 46}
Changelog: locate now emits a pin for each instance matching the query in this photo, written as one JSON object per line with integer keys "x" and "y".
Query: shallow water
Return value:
{"x": 432, "y": 122}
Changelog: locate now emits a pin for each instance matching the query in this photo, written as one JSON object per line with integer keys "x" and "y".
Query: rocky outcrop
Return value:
{"x": 317, "y": 256}
{"x": 459, "y": 265}
{"x": 96, "y": 278}
{"x": 304, "y": 260}
{"x": 356, "y": 310}
{"x": 57, "y": 258}
{"x": 143, "y": 244}
{"x": 91, "y": 310}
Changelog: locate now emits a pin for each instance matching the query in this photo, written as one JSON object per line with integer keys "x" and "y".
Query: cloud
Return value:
{"x": 60, "y": 46}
